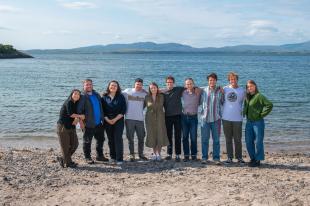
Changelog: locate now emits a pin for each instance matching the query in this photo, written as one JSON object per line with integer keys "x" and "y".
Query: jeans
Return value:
{"x": 115, "y": 136}
{"x": 215, "y": 129}
{"x": 189, "y": 129}
{"x": 174, "y": 122}
{"x": 98, "y": 133}
{"x": 254, "y": 139}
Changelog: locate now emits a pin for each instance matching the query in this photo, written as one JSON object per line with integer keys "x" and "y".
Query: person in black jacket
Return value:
{"x": 90, "y": 105}
{"x": 114, "y": 107}
{"x": 66, "y": 131}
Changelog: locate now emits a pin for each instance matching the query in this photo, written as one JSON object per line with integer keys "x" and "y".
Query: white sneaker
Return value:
{"x": 119, "y": 162}
{"x": 158, "y": 157}
{"x": 154, "y": 157}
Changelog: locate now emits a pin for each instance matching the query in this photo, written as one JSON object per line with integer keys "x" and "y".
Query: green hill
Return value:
{"x": 9, "y": 52}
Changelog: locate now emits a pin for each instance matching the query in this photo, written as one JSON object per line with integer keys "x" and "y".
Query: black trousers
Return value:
{"x": 98, "y": 133}
{"x": 174, "y": 122}
{"x": 115, "y": 136}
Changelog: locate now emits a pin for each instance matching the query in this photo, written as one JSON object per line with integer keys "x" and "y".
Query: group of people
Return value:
{"x": 171, "y": 119}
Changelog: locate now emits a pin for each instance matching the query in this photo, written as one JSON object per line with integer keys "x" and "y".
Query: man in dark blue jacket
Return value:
{"x": 90, "y": 105}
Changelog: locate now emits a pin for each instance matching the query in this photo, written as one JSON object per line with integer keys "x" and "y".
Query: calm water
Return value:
{"x": 33, "y": 90}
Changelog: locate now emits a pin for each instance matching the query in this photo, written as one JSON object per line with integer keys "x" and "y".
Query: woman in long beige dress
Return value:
{"x": 155, "y": 121}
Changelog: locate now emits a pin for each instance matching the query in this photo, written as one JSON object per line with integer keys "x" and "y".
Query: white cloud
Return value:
{"x": 261, "y": 27}
{"x": 79, "y": 5}
{"x": 59, "y": 32}
{"x": 8, "y": 9}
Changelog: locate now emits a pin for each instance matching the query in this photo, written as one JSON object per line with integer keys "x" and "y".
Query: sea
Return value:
{"x": 33, "y": 90}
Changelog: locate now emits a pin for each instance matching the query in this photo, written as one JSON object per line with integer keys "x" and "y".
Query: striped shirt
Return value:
{"x": 211, "y": 101}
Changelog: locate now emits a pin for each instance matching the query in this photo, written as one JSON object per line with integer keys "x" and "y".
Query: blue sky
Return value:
{"x": 30, "y": 24}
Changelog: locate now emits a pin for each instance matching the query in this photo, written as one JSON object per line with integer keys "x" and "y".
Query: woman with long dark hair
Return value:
{"x": 66, "y": 130}
{"x": 114, "y": 108}
{"x": 256, "y": 107}
{"x": 156, "y": 136}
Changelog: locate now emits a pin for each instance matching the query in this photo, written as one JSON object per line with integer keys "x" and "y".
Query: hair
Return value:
{"x": 154, "y": 84}
{"x": 139, "y": 80}
{"x": 246, "y": 87}
{"x": 87, "y": 80}
{"x": 118, "y": 91}
{"x": 212, "y": 75}
{"x": 72, "y": 91}
{"x": 232, "y": 74}
{"x": 189, "y": 78}
{"x": 170, "y": 77}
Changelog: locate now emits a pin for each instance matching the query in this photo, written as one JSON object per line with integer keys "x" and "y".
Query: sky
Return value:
{"x": 51, "y": 24}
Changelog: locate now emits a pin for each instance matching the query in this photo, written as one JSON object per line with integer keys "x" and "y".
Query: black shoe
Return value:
{"x": 252, "y": 163}
{"x": 72, "y": 165}
{"x": 194, "y": 158}
{"x": 177, "y": 158}
{"x": 142, "y": 157}
{"x": 228, "y": 161}
{"x": 89, "y": 161}
{"x": 186, "y": 159}
{"x": 61, "y": 161}
{"x": 241, "y": 161}
{"x": 257, "y": 163}
{"x": 102, "y": 159}
{"x": 168, "y": 157}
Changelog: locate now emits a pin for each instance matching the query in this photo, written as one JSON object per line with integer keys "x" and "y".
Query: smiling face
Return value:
{"x": 113, "y": 87}
{"x": 251, "y": 88}
{"x": 138, "y": 86}
{"x": 212, "y": 82}
{"x": 169, "y": 84}
{"x": 189, "y": 84}
{"x": 153, "y": 89}
{"x": 88, "y": 86}
{"x": 75, "y": 96}
{"x": 233, "y": 81}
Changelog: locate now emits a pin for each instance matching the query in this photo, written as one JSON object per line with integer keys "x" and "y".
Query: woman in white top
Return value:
{"x": 232, "y": 117}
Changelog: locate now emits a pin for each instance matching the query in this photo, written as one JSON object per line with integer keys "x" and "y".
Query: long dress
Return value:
{"x": 155, "y": 122}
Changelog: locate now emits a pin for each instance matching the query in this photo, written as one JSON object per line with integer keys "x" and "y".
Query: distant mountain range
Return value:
{"x": 151, "y": 47}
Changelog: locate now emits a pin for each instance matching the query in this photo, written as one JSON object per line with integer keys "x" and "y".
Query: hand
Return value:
{"x": 75, "y": 121}
{"x": 82, "y": 116}
{"x": 197, "y": 91}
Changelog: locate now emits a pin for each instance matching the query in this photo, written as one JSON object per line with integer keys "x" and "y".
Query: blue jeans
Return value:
{"x": 254, "y": 139}
{"x": 215, "y": 129}
{"x": 189, "y": 128}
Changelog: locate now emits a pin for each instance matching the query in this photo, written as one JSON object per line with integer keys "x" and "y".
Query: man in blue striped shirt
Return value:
{"x": 211, "y": 101}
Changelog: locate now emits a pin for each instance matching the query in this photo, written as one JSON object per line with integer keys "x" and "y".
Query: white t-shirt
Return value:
{"x": 232, "y": 108}
{"x": 135, "y": 103}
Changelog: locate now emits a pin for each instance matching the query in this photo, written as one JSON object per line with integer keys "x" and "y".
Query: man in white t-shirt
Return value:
{"x": 135, "y": 118}
{"x": 232, "y": 117}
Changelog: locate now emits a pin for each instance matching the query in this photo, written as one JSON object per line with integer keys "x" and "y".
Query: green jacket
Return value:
{"x": 258, "y": 107}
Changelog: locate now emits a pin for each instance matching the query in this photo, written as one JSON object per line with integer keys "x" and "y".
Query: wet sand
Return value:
{"x": 32, "y": 176}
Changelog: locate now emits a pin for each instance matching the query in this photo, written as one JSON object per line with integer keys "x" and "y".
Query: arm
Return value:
{"x": 267, "y": 106}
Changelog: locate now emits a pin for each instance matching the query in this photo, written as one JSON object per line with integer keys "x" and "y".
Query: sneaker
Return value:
{"x": 217, "y": 162}
{"x": 102, "y": 159}
{"x": 132, "y": 158}
{"x": 228, "y": 161}
{"x": 257, "y": 163}
{"x": 142, "y": 157}
{"x": 252, "y": 163}
{"x": 194, "y": 158}
{"x": 204, "y": 161}
{"x": 241, "y": 161}
{"x": 169, "y": 157}
{"x": 154, "y": 157}
{"x": 61, "y": 161}
{"x": 89, "y": 161}
{"x": 186, "y": 159}
{"x": 177, "y": 158}
{"x": 158, "y": 157}
{"x": 112, "y": 161}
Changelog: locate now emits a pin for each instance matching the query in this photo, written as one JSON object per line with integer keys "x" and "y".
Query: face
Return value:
{"x": 75, "y": 96}
{"x": 153, "y": 89}
{"x": 189, "y": 84}
{"x": 88, "y": 86}
{"x": 251, "y": 88}
{"x": 138, "y": 86}
{"x": 169, "y": 84}
{"x": 233, "y": 81}
{"x": 212, "y": 82}
{"x": 113, "y": 87}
